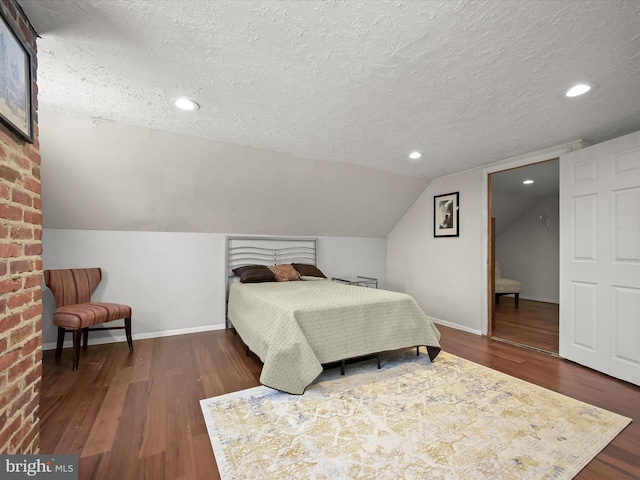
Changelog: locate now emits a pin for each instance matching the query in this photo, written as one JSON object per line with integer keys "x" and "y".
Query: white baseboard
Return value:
{"x": 139, "y": 336}
{"x": 455, "y": 325}
{"x": 544, "y": 300}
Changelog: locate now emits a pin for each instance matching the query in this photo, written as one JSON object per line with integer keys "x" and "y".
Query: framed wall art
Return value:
{"x": 445, "y": 215}
{"x": 15, "y": 82}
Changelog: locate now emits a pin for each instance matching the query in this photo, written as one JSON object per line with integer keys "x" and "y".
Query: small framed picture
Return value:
{"x": 15, "y": 82}
{"x": 445, "y": 215}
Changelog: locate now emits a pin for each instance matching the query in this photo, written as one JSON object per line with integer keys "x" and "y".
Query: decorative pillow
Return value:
{"x": 285, "y": 273}
{"x": 308, "y": 270}
{"x": 254, "y": 274}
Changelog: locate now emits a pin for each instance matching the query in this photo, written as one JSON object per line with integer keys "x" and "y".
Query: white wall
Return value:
{"x": 175, "y": 282}
{"x": 443, "y": 274}
{"x": 448, "y": 276}
{"x": 102, "y": 176}
{"x": 529, "y": 251}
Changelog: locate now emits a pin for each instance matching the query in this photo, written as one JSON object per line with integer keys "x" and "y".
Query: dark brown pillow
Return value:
{"x": 308, "y": 270}
{"x": 254, "y": 274}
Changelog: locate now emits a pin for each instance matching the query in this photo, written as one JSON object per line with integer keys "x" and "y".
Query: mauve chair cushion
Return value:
{"x": 84, "y": 315}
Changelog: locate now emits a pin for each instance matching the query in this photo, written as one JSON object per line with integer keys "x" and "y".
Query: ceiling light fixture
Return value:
{"x": 578, "y": 89}
{"x": 528, "y": 182}
{"x": 415, "y": 155}
{"x": 185, "y": 104}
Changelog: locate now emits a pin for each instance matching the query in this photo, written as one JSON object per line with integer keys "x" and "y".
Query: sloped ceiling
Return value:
{"x": 357, "y": 82}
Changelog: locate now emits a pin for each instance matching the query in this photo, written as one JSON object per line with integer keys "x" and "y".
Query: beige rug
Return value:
{"x": 452, "y": 419}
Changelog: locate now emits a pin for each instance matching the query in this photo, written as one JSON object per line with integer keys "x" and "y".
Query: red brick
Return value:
{"x": 21, "y": 233}
{"x": 30, "y": 346}
{"x": 10, "y": 212}
{"x": 32, "y": 184}
{"x": 20, "y": 266}
{"x": 7, "y": 432}
{"x": 4, "y": 267}
{"x": 37, "y": 295}
{"x": 9, "y": 174}
{"x": 20, "y": 335}
{"x": 10, "y": 140}
{"x": 32, "y": 312}
{"x": 33, "y": 281}
{"x": 3, "y": 345}
{"x": 3, "y": 305}
{"x": 19, "y": 299}
{"x": 27, "y": 446}
{"x": 37, "y": 233}
{"x": 37, "y": 203}
{"x": 34, "y": 375}
{"x": 9, "y": 322}
{"x": 18, "y": 196}
{"x": 32, "y": 249}
{"x": 35, "y": 218}
{"x": 10, "y": 285}
{"x": 38, "y": 267}
{"x": 4, "y": 191}
{"x": 20, "y": 435}
{"x": 34, "y": 155}
{"x": 19, "y": 369}
{"x": 6, "y": 361}
{"x": 19, "y": 402}
{"x": 4, "y": 231}
{"x": 9, "y": 250}
{"x": 22, "y": 162}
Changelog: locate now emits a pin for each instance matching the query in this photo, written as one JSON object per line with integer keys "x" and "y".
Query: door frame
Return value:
{"x": 486, "y": 256}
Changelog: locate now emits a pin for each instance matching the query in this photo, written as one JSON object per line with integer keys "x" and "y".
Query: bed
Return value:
{"x": 295, "y": 327}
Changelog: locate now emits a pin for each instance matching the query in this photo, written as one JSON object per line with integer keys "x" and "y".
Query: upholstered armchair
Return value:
{"x": 76, "y": 313}
{"x": 505, "y": 286}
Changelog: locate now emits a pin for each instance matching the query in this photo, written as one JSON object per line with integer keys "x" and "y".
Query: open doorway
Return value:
{"x": 524, "y": 245}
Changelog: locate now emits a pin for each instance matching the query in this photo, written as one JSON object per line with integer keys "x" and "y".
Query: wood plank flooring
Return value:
{"x": 533, "y": 324}
{"x": 137, "y": 416}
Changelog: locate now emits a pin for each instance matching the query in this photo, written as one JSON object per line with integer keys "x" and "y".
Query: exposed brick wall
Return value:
{"x": 20, "y": 273}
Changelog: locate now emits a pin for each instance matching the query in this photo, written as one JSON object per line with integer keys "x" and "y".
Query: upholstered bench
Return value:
{"x": 506, "y": 286}
{"x": 75, "y": 312}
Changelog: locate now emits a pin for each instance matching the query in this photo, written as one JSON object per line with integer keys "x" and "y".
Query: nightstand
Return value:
{"x": 359, "y": 281}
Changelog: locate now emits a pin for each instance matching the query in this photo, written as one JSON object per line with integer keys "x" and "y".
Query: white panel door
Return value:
{"x": 600, "y": 257}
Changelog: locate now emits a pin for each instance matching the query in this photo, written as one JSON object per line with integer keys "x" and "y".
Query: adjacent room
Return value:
{"x": 453, "y": 186}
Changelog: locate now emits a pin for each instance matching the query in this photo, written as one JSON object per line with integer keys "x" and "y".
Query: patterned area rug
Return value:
{"x": 452, "y": 419}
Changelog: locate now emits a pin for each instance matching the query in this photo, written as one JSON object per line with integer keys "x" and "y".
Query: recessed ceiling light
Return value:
{"x": 185, "y": 104}
{"x": 578, "y": 89}
{"x": 528, "y": 182}
{"x": 415, "y": 155}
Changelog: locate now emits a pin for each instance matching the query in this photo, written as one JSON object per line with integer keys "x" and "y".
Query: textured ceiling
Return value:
{"x": 363, "y": 82}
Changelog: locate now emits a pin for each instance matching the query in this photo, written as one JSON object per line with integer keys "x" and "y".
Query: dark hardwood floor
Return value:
{"x": 137, "y": 416}
{"x": 533, "y": 324}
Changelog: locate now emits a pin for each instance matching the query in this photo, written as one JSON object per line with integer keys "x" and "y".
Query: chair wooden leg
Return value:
{"x": 517, "y": 298}
{"x": 76, "y": 348}
{"x": 61, "y": 332}
{"x": 85, "y": 338}
{"x": 127, "y": 330}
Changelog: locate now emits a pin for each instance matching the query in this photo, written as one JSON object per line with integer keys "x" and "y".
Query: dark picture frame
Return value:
{"x": 446, "y": 220}
{"x": 16, "y": 90}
